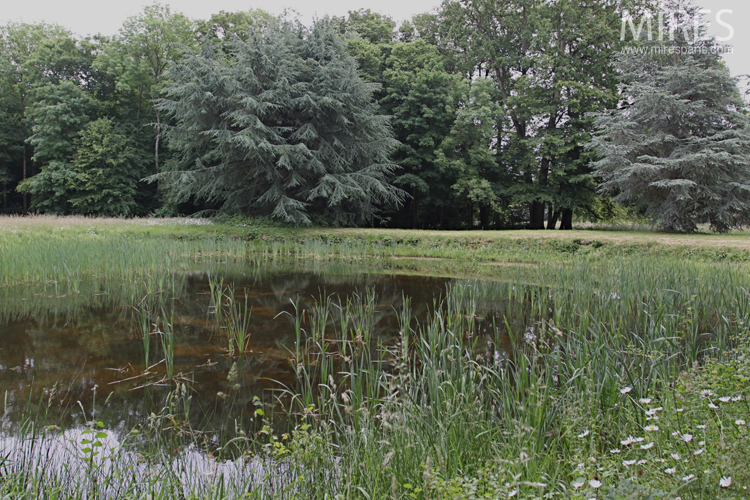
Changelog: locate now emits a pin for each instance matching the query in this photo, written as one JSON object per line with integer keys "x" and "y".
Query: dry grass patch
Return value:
{"x": 734, "y": 239}
{"x": 15, "y": 222}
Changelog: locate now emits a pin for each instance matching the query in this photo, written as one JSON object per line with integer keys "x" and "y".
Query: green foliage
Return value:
{"x": 679, "y": 147}
{"x": 371, "y": 26}
{"x": 105, "y": 180}
{"x": 469, "y": 153}
{"x": 422, "y": 98}
{"x": 59, "y": 113}
{"x": 491, "y": 109}
{"x": 11, "y": 146}
{"x": 137, "y": 59}
{"x": 31, "y": 56}
{"x": 225, "y": 25}
{"x": 96, "y": 177}
{"x": 296, "y": 138}
{"x": 549, "y": 66}
{"x": 50, "y": 188}
{"x": 140, "y": 54}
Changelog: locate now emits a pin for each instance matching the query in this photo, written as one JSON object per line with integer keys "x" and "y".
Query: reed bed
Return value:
{"x": 580, "y": 378}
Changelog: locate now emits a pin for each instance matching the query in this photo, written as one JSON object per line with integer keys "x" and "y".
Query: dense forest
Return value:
{"x": 484, "y": 113}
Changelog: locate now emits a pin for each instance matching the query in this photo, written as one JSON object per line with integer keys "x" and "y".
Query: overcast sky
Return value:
{"x": 93, "y": 16}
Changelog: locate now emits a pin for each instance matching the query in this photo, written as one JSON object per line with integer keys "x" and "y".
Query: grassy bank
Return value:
{"x": 626, "y": 377}
{"x": 36, "y": 249}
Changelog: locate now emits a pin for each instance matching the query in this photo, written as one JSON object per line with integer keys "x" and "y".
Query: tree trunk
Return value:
{"x": 537, "y": 207}
{"x": 156, "y": 142}
{"x": 536, "y": 215}
{"x": 23, "y": 175}
{"x": 567, "y": 219}
{"x": 414, "y": 210}
{"x": 484, "y": 216}
{"x": 552, "y": 216}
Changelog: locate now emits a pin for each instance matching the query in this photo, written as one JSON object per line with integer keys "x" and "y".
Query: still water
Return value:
{"x": 73, "y": 352}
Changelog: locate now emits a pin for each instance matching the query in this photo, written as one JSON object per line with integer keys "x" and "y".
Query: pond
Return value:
{"x": 75, "y": 351}
{"x": 112, "y": 384}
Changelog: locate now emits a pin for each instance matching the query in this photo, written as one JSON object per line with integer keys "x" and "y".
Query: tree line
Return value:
{"x": 484, "y": 113}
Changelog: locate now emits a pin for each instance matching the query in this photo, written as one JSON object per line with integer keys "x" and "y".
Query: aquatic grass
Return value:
{"x": 236, "y": 320}
{"x": 60, "y": 257}
{"x": 164, "y": 328}
{"x": 571, "y": 349}
{"x": 144, "y": 329}
{"x": 519, "y": 388}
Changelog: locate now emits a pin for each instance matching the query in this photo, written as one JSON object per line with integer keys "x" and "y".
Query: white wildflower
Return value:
{"x": 698, "y": 452}
{"x": 577, "y": 483}
{"x": 628, "y": 463}
{"x": 626, "y": 390}
{"x": 725, "y": 399}
{"x": 707, "y": 392}
{"x": 739, "y": 422}
{"x": 701, "y": 426}
{"x": 725, "y": 482}
{"x": 712, "y": 406}
{"x": 644, "y": 401}
{"x": 687, "y": 437}
{"x": 595, "y": 483}
{"x": 675, "y": 456}
{"x": 651, "y": 428}
{"x": 647, "y": 446}
{"x": 671, "y": 470}
{"x": 614, "y": 450}
{"x": 688, "y": 477}
{"x": 584, "y": 434}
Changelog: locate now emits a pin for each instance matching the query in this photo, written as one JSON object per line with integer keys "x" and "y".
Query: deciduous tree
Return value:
{"x": 31, "y": 56}
{"x": 549, "y": 61}
{"x": 139, "y": 56}
{"x": 423, "y": 98}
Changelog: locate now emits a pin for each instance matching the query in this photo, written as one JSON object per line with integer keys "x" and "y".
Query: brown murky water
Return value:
{"x": 66, "y": 349}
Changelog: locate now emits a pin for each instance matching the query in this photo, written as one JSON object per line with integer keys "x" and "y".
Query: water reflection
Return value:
{"x": 74, "y": 351}
{"x": 68, "y": 460}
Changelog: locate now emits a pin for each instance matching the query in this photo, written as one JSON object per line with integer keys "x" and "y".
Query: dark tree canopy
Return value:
{"x": 678, "y": 147}
{"x": 283, "y": 125}
{"x": 476, "y": 114}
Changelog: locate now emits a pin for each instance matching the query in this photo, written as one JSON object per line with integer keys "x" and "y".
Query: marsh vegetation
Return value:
{"x": 288, "y": 366}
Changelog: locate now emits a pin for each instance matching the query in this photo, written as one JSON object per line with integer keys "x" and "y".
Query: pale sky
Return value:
{"x": 93, "y": 16}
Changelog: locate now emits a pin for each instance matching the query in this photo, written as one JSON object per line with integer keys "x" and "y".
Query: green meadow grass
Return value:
{"x": 48, "y": 249}
{"x": 626, "y": 376}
